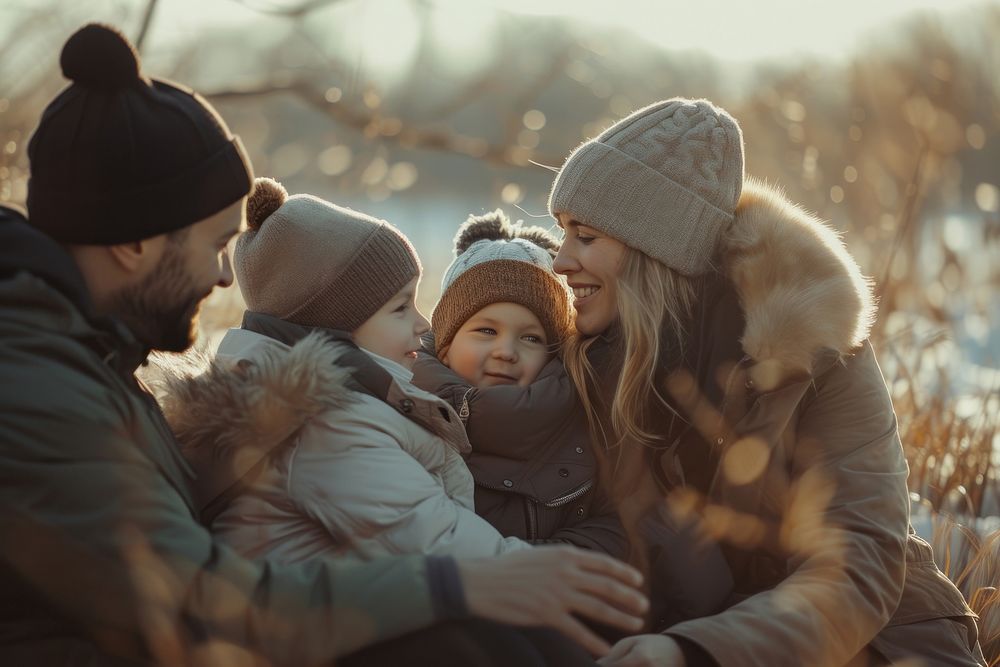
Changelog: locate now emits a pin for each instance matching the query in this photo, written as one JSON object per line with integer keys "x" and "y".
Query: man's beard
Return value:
{"x": 161, "y": 310}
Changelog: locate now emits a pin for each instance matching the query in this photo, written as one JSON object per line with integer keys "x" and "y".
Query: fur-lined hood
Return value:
{"x": 801, "y": 292}
{"x": 267, "y": 397}
{"x": 230, "y": 413}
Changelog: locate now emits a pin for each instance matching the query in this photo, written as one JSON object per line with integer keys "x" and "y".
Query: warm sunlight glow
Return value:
{"x": 737, "y": 30}
{"x": 386, "y": 30}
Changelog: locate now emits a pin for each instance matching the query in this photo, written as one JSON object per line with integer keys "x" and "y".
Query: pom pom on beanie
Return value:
{"x": 496, "y": 227}
{"x": 118, "y": 156}
{"x": 267, "y": 197}
{"x": 99, "y": 56}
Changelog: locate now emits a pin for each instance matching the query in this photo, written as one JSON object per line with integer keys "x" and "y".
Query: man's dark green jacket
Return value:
{"x": 102, "y": 560}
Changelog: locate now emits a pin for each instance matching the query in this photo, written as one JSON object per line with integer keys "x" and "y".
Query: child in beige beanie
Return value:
{"x": 309, "y": 262}
{"x": 309, "y": 438}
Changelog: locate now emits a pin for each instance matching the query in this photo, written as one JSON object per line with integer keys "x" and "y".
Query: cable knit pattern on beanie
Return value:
{"x": 694, "y": 147}
{"x": 664, "y": 180}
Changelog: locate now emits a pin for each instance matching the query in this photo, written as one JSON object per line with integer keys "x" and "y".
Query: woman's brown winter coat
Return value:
{"x": 789, "y": 449}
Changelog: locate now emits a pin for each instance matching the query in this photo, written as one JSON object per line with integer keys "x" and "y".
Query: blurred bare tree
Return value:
{"x": 897, "y": 145}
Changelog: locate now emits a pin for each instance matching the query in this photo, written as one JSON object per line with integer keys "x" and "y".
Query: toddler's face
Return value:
{"x": 394, "y": 331}
{"x": 504, "y": 343}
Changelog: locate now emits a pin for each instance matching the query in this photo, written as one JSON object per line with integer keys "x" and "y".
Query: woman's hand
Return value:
{"x": 546, "y": 586}
{"x": 644, "y": 651}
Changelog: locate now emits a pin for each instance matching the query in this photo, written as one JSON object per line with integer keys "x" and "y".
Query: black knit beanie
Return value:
{"x": 120, "y": 157}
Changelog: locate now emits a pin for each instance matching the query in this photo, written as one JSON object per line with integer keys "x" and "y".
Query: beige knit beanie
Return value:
{"x": 314, "y": 263}
{"x": 499, "y": 262}
{"x": 665, "y": 181}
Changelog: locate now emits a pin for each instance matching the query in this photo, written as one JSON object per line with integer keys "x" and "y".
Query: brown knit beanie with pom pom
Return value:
{"x": 499, "y": 262}
{"x": 120, "y": 157}
{"x": 314, "y": 263}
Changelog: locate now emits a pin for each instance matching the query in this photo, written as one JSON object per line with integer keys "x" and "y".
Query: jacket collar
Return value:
{"x": 368, "y": 375}
{"x": 284, "y": 331}
{"x": 802, "y": 294}
{"x": 269, "y": 378}
{"x": 26, "y": 249}
{"x": 231, "y": 414}
{"x": 787, "y": 304}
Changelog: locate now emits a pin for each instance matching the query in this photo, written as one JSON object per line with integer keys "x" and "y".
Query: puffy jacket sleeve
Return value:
{"x": 90, "y": 523}
{"x": 540, "y": 408}
{"x": 846, "y": 524}
{"x": 350, "y": 473}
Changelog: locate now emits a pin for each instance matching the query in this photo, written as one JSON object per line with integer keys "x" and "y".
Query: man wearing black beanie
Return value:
{"x": 136, "y": 187}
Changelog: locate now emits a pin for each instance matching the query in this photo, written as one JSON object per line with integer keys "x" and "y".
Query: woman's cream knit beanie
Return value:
{"x": 665, "y": 181}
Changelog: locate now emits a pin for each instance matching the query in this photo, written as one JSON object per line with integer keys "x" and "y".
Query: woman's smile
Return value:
{"x": 591, "y": 262}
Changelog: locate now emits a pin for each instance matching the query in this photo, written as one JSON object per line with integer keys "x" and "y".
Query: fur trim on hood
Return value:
{"x": 801, "y": 292}
{"x": 228, "y": 417}
{"x": 269, "y": 398}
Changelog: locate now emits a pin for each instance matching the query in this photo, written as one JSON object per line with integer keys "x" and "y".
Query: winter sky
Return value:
{"x": 728, "y": 29}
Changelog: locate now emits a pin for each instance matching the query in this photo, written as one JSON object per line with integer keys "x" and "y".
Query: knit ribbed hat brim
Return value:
{"x": 600, "y": 183}
{"x": 664, "y": 180}
{"x": 73, "y": 213}
{"x": 311, "y": 262}
{"x": 502, "y": 281}
{"x": 381, "y": 267}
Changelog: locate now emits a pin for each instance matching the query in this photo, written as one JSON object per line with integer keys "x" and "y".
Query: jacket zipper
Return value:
{"x": 532, "y": 509}
{"x": 463, "y": 411}
{"x": 572, "y": 495}
{"x": 556, "y": 502}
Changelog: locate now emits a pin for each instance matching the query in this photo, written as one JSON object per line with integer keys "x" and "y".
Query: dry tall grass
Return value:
{"x": 950, "y": 444}
{"x": 949, "y": 439}
{"x": 973, "y": 563}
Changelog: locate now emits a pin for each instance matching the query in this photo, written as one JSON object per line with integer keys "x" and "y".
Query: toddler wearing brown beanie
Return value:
{"x": 501, "y": 319}
{"x": 502, "y": 310}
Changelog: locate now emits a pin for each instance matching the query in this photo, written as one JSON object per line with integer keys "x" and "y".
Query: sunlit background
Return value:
{"x": 881, "y": 116}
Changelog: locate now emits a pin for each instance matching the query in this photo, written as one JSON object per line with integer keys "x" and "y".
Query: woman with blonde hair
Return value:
{"x": 722, "y": 354}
